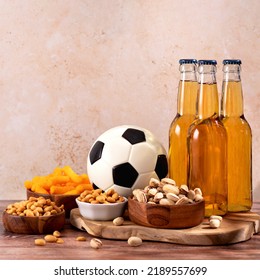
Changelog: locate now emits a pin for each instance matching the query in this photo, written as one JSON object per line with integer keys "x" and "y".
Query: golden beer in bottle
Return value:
{"x": 207, "y": 144}
{"x": 186, "y": 110}
{"x": 239, "y": 135}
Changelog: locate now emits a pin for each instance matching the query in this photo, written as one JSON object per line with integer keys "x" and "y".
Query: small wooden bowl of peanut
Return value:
{"x": 162, "y": 204}
{"x": 34, "y": 216}
{"x": 101, "y": 206}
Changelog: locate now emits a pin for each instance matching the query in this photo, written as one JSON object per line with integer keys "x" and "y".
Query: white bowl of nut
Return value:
{"x": 162, "y": 204}
{"x": 101, "y": 206}
{"x": 34, "y": 216}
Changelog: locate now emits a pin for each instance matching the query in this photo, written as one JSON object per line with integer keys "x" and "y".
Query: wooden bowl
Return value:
{"x": 33, "y": 225}
{"x": 67, "y": 200}
{"x": 166, "y": 216}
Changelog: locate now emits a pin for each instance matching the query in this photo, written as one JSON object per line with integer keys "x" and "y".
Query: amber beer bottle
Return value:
{"x": 239, "y": 135}
{"x": 207, "y": 144}
{"x": 186, "y": 110}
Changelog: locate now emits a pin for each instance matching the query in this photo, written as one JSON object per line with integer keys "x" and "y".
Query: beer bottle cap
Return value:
{"x": 207, "y": 62}
{"x": 232, "y": 61}
{"x": 187, "y": 61}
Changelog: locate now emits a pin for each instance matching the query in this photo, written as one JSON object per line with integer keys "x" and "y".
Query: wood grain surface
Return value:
{"x": 242, "y": 228}
{"x": 21, "y": 247}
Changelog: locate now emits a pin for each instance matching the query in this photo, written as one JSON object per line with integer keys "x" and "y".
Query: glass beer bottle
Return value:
{"x": 239, "y": 137}
{"x": 207, "y": 144}
{"x": 186, "y": 110}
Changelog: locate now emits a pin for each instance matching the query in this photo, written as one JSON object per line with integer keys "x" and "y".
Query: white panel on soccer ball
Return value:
{"x": 143, "y": 180}
{"x": 126, "y": 192}
{"x": 143, "y": 157}
{"x": 157, "y": 146}
{"x": 101, "y": 172}
{"x": 116, "y": 151}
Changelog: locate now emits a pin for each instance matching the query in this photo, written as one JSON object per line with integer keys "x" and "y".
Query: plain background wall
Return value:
{"x": 71, "y": 69}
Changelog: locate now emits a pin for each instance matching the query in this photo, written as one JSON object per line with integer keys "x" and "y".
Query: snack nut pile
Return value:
{"x": 99, "y": 197}
{"x": 34, "y": 207}
{"x": 165, "y": 192}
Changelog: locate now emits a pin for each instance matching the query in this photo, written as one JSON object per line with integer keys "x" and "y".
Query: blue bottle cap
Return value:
{"x": 187, "y": 61}
{"x": 207, "y": 62}
{"x": 232, "y": 61}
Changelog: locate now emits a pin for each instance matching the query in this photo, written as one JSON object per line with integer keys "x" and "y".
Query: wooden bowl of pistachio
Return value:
{"x": 162, "y": 204}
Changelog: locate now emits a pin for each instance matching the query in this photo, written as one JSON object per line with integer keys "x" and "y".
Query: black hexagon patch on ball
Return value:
{"x": 161, "y": 167}
{"x": 134, "y": 136}
{"x": 124, "y": 175}
{"x": 96, "y": 152}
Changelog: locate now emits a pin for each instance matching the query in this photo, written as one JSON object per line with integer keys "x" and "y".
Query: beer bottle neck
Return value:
{"x": 187, "y": 91}
{"x": 232, "y": 95}
{"x": 207, "y": 101}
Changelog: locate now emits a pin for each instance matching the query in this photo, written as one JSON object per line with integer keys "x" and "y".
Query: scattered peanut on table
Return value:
{"x": 134, "y": 241}
{"x": 118, "y": 221}
{"x": 81, "y": 238}
{"x": 50, "y": 238}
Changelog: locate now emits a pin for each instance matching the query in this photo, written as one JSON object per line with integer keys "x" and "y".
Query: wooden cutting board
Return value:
{"x": 234, "y": 228}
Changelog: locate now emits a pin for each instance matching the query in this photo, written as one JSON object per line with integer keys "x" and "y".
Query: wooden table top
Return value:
{"x": 21, "y": 247}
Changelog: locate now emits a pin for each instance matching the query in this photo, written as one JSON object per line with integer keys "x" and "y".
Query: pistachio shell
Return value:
{"x": 168, "y": 181}
{"x": 172, "y": 197}
{"x": 166, "y": 201}
{"x": 183, "y": 200}
{"x": 191, "y": 194}
{"x": 184, "y": 189}
{"x": 171, "y": 189}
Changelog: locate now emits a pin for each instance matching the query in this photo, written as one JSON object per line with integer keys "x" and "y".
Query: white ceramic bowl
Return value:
{"x": 101, "y": 212}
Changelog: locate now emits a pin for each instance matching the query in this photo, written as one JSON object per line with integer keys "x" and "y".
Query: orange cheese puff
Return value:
{"x": 85, "y": 178}
{"x": 72, "y": 192}
{"x": 57, "y": 172}
{"x": 58, "y": 180}
{"x": 82, "y": 187}
{"x": 48, "y": 183}
{"x": 60, "y": 189}
{"x": 73, "y": 176}
{"x": 71, "y": 184}
{"x": 41, "y": 190}
{"x": 34, "y": 186}
{"x": 28, "y": 184}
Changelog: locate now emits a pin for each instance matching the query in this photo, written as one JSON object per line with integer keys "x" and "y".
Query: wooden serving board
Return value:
{"x": 234, "y": 228}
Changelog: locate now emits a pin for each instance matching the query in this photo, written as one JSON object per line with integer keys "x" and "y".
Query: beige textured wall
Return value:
{"x": 71, "y": 69}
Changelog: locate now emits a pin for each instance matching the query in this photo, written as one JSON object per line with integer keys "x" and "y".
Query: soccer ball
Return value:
{"x": 125, "y": 158}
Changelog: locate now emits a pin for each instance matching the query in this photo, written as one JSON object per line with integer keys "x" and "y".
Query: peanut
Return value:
{"x": 56, "y": 233}
{"x": 81, "y": 238}
{"x": 118, "y": 221}
{"x": 60, "y": 241}
{"x": 39, "y": 242}
{"x": 134, "y": 241}
{"x": 50, "y": 238}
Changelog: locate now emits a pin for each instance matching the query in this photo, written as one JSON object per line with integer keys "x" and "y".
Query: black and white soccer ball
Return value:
{"x": 125, "y": 158}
